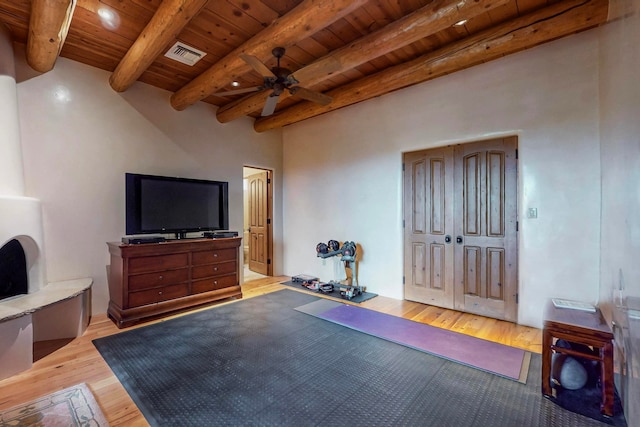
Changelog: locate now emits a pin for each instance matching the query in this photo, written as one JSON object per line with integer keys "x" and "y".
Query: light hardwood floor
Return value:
{"x": 64, "y": 363}
{"x": 252, "y": 275}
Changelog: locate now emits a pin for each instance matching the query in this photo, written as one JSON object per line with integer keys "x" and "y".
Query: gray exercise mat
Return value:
{"x": 260, "y": 362}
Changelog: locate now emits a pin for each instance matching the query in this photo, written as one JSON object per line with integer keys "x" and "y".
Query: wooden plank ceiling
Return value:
{"x": 350, "y": 50}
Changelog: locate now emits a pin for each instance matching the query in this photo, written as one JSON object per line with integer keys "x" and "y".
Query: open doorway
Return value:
{"x": 257, "y": 235}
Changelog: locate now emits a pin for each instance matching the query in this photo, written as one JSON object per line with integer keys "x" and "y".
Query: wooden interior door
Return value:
{"x": 428, "y": 227}
{"x": 460, "y": 235}
{"x": 258, "y": 223}
{"x": 486, "y": 228}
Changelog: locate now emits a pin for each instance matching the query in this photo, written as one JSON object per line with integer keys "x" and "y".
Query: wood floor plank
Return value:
{"x": 62, "y": 365}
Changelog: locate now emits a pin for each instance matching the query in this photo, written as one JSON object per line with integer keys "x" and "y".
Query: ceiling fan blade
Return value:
{"x": 310, "y": 95}
{"x": 257, "y": 65}
{"x": 239, "y": 91}
{"x": 313, "y": 70}
{"x": 270, "y": 105}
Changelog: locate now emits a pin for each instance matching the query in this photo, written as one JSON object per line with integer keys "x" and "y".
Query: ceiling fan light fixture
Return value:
{"x": 235, "y": 83}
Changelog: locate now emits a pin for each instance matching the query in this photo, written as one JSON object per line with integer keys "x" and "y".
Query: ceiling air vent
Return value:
{"x": 185, "y": 54}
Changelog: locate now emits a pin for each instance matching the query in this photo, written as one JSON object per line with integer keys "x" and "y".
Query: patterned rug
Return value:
{"x": 73, "y": 406}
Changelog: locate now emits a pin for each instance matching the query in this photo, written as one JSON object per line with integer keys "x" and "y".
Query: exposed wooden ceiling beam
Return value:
{"x": 558, "y": 20}
{"x": 48, "y": 27}
{"x": 170, "y": 18}
{"x": 305, "y": 19}
{"x": 425, "y": 21}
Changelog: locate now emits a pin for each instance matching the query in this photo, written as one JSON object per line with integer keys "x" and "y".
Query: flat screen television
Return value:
{"x": 161, "y": 204}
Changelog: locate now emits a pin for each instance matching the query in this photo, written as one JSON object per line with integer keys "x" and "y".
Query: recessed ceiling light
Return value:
{"x": 109, "y": 18}
{"x": 460, "y": 23}
{"x": 105, "y": 13}
{"x": 235, "y": 84}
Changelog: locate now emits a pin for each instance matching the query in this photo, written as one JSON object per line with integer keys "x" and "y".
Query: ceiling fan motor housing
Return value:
{"x": 280, "y": 72}
{"x": 278, "y": 52}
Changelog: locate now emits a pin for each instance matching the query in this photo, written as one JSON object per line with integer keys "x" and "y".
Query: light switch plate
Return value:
{"x": 532, "y": 213}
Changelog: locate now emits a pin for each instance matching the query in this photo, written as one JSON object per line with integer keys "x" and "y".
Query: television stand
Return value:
{"x": 150, "y": 280}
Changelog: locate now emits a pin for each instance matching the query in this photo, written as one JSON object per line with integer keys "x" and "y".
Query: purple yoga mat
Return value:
{"x": 482, "y": 354}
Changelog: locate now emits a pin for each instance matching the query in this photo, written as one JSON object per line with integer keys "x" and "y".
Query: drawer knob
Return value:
{"x": 160, "y": 277}
{"x": 215, "y": 282}
{"x": 160, "y": 293}
{"x": 215, "y": 268}
{"x": 215, "y": 255}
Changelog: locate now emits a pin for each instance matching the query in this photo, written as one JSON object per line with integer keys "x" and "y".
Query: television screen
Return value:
{"x": 159, "y": 204}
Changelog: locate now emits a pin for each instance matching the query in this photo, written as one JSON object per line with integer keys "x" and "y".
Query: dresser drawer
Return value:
{"x": 159, "y": 278}
{"x": 213, "y": 256}
{"x": 151, "y": 296}
{"x": 157, "y": 263}
{"x": 211, "y": 270}
{"x": 212, "y": 284}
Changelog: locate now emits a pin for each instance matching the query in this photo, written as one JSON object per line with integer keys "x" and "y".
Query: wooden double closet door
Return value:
{"x": 460, "y": 227}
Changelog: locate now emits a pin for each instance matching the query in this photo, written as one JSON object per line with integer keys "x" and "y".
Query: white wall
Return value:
{"x": 79, "y": 137}
{"x": 343, "y": 169}
{"x": 620, "y": 148}
{"x": 620, "y": 133}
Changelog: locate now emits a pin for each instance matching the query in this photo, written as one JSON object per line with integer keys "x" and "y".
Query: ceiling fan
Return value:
{"x": 277, "y": 79}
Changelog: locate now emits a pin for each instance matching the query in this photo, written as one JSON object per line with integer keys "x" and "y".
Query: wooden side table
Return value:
{"x": 580, "y": 327}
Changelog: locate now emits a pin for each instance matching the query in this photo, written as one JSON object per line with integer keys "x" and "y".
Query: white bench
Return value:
{"x": 58, "y": 310}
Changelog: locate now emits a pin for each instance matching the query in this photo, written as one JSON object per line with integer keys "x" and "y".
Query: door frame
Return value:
{"x": 453, "y": 143}
{"x": 249, "y": 170}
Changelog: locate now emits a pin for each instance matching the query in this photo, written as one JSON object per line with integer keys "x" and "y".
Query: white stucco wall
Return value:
{"x": 620, "y": 150}
{"x": 620, "y": 133}
{"x": 343, "y": 172}
{"x": 79, "y": 137}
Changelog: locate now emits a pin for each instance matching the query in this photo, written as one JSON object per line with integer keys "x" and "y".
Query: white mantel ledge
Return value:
{"x": 55, "y": 292}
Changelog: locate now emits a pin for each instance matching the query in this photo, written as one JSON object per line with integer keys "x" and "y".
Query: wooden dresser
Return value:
{"x": 147, "y": 280}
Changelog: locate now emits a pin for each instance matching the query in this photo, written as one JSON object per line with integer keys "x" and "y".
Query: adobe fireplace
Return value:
{"x": 31, "y": 309}
{"x": 20, "y": 216}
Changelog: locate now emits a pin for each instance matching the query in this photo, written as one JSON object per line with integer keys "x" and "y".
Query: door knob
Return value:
{"x": 459, "y": 240}
{"x": 447, "y": 239}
